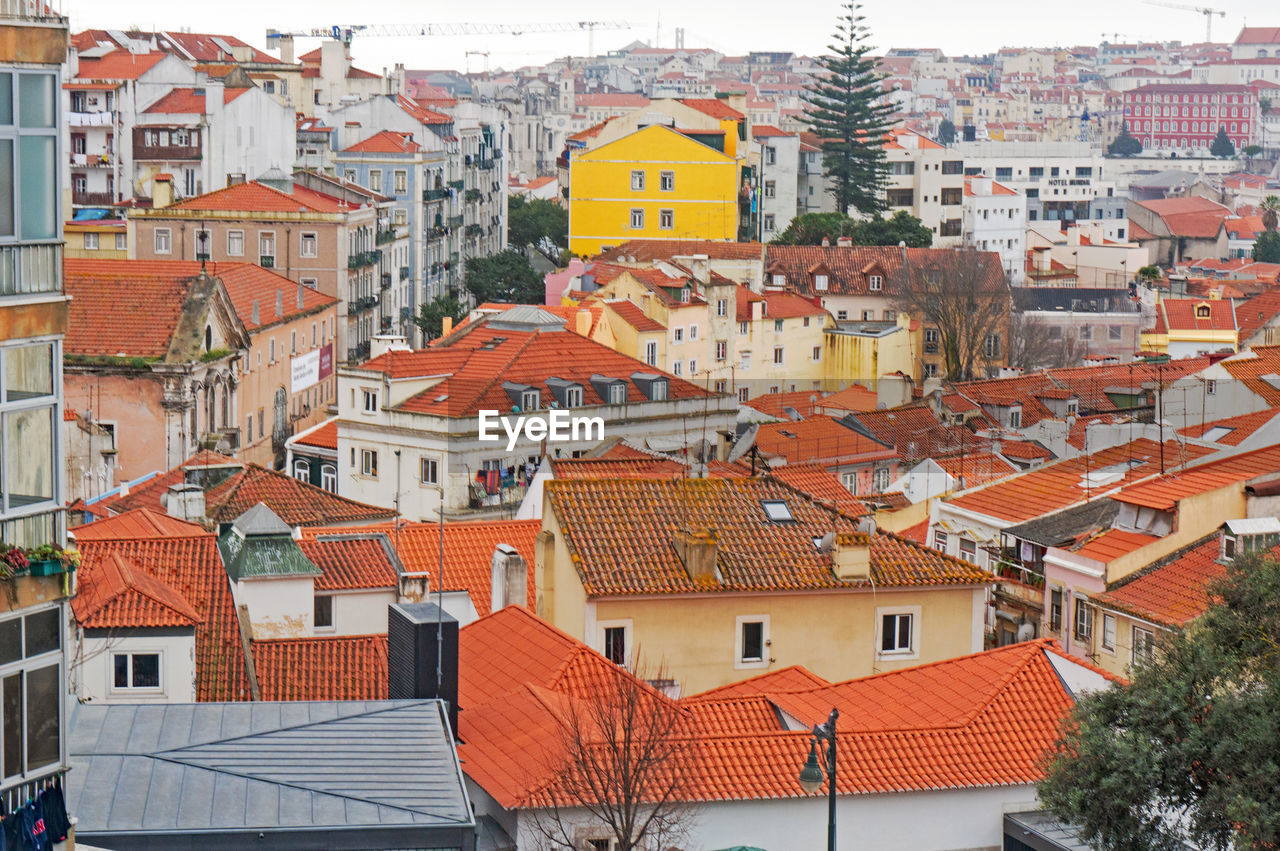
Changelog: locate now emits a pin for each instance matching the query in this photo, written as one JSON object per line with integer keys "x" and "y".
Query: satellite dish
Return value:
{"x": 827, "y": 542}
{"x": 744, "y": 443}
{"x": 792, "y": 413}
{"x": 867, "y": 524}
{"x": 881, "y": 406}
{"x": 1026, "y": 632}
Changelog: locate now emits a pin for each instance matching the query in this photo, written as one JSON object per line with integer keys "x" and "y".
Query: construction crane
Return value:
{"x": 346, "y": 33}
{"x": 1203, "y": 10}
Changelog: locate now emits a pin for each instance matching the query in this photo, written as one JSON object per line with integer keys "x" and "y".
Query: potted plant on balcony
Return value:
{"x": 51, "y": 560}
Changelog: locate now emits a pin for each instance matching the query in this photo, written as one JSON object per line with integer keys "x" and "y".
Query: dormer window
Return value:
{"x": 779, "y": 280}
{"x": 524, "y": 397}
{"x": 1254, "y": 535}
{"x": 1073, "y": 407}
{"x": 875, "y": 283}
{"x": 1202, "y": 311}
{"x": 653, "y": 386}
{"x": 567, "y": 394}
{"x": 617, "y": 394}
{"x": 611, "y": 390}
{"x": 529, "y": 400}
{"x": 820, "y": 282}
{"x": 686, "y": 295}
{"x": 1015, "y": 416}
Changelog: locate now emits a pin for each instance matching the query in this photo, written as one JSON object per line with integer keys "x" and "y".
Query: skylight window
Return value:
{"x": 1216, "y": 433}
{"x": 777, "y": 510}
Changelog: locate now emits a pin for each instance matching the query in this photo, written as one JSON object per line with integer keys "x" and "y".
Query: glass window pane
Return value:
{"x": 42, "y": 717}
{"x": 121, "y": 663}
{"x": 28, "y": 456}
{"x": 28, "y": 371}
{"x": 11, "y": 700}
{"x": 37, "y": 198}
{"x": 146, "y": 670}
{"x": 10, "y": 640}
{"x": 6, "y": 97}
{"x": 43, "y": 632}
{"x": 35, "y": 100}
{"x": 6, "y": 185}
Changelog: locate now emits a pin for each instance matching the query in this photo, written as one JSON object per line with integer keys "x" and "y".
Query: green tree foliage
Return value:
{"x": 1251, "y": 150}
{"x": 812, "y": 228}
{"x": 1270, "y": 211}
{"x": 1266, "y": 249}
{"x": 1187, "y": 751}
{"x": 844, "y": 113}
{"x": 1222, "y": 146}
{"x": 529, "y": 221}
{"x": 1150, "y": 274}
{"x": 946, "y": 131}
{"x": 432, "y": 314}
{"x": 505, "y": 277}
{"x": 1124, "y": 145}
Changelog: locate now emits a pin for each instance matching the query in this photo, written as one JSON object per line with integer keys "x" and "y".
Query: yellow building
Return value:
{"x": 720, "y": 580}
{"x": 654, "y": 183}
{"x": 96, "y": 240}
{"x": 1186, "y": 327}
{"x": 864, "y": 351}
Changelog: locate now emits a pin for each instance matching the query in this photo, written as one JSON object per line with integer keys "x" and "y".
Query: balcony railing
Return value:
{"x": 92, "y": 199}
{"x": 404, "y": 273}
{"x": 267, "y": 261}
{"x": 457, "y": 184}
{"x": 437, "y": 233}
{"x": 364, "y": 258}
{"x": 90, "y": 160}
{"x": 386, "y": 280}
{"x": 360, "y": 305}
{"x": 455, "y": 221}
{"x": 358, "y": 353}
{"x": 484, "y": 164}
{"x": 91, "y": 119}
{"x": 35, "y": 10}
{"x": 385, "y": 236}
{"x": 474, "y": 230}
{"x": 29, "y": 269}
{"x": 166, "y": 152}
{"x": 435, "y": 195}
{"x": 473, "y": 195}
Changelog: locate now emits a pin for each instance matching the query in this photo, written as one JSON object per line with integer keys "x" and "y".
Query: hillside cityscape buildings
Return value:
{"x": 375, "y": 444}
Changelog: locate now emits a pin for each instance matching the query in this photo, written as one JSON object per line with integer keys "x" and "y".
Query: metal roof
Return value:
{"x": 354, "y": 774}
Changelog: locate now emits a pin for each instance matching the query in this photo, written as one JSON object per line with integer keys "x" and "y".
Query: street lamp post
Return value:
{"x": 811, "y": 774}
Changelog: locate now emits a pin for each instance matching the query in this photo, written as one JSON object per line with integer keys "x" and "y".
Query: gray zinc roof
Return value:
{"x": 357, "y": 774}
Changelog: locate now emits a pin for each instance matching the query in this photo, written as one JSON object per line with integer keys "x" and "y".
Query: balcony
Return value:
{"x": 457, "y": 184}
{"x": 474, "y": 231}
{"x": 404, "y": 273}
{"x": 386, "y": 280}
{"x": 437, "y": 232}
{"x": 91, "y": 119}
{"x": 429, "y": 195}
{"x": 455, "y": 221}
{"x": 484, "y": 164}
{"x": 473, "y": 195}
{"x": 92, "y": 199}
{"x": 167, "y": 153}
{"x": 30, "y": 269}
{"x": 267, "y": 261}
{"x": 385, "y": 236}
{"x": 364, "y": 258}
{"x": 358, "y": 353}
{"x": 90, "y": 160}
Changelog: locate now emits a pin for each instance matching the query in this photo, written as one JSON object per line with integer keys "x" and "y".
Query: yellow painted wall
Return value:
{"x": 830, "y": 633}
{"x": 850, "y": 358}
{"x": 1118, "y": 659}
{"x": 703, "y": 200}
{"x": 1198, "y": 515}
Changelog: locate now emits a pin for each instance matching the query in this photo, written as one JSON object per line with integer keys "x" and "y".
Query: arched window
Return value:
{"x": 302, "y": 469}
{"x": 329, "y": 477}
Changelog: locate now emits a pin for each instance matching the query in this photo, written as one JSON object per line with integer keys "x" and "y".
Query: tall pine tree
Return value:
{"x": 844, "y": 113}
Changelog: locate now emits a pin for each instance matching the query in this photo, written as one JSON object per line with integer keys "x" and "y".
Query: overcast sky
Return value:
{"x": 802, "y": 26}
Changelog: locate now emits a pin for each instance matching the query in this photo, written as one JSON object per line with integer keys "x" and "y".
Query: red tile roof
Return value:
{"x": 1189, "y": 216}
{"x": 1238, "y": 428}
{"x": 1171, "y": 592}
{"x": 649, "y": 467}
{"x": 774, "y": 404}
{"x": 196, "y": 47}
{"x": 151, "y": 493}
{"x": 819, "y": 484}
{"x": 138, "y": 523}
{"x": 121, "y": 595}
{"x": 820, "y": 438}
{"x": 854, "y": 398}
{"x": 619, "y": 534}
{"x": 348, "y": 667}
{"x": 118, "y": 65}
{"x": 385, "y": 142}
{"x": 1164, "y": 491}
{"x": 255, "y": 197}
{"x": 189, "y": 101}
{"x": 631, "y": 314}
{"x": 648, "y": 250}
{"x": 1257, "y": 369}
{"x": 297, "y": 503}
{"x": 976, "y": 468}
{"x": 191, "y": 566}
{"x": 1256, "y": 312}
{"x": 108, "y": 319}
{"x": 1113, "y": 544}
{"x": 1050, "y": 487}
{"x": 324, "y": 437}
{"x": 468, "y": 552}
{"x": 849, "y": 269}
{"x": 715, "y": 108}
{"x": 351, "y": 561}
{"x": 1190, "y": 314}
{"x": 790, "y": 678}
{"x": 477, "y": 359}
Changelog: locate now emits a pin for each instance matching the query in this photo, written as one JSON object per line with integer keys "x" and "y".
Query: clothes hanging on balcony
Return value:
{"x": 11, "y": 832}
{"x": 54, "y": 806}
{"x": 35, "y": 836}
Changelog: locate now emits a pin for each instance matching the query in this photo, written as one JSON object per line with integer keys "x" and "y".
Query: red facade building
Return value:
{"x": 1187, "y": 117}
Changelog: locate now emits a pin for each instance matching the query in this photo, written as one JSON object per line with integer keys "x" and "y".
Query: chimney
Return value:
{"x": 851, "y": 557}
{"x": 583, "y": 322}
{"x": 826, "y": 243}
{"x": 162, "y": 191}
{"x": 446, "y": 327}
{"x": 510, "y": 575}
{"x": 412, "y": 653}
{"x": 186, "y": 502}
{"x": 844, "y": 242}
{"x": 286, "y": 49}
{"x": 279, "y": 303}
{"x": 697, "y": 549}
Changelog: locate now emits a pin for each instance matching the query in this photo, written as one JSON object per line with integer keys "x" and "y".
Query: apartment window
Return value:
{"x": 30, "y": 691}
{"x": 931, "y": 370}
{"x": 1083, "y": 620}
{"x": 637, "y": 180}
{"x": 302, "y": 469}
{"x": 991, "y": 346}
{"x": 323, "y": 614}
{"x": 666, "y": 181}
{"x": 881, "y": 480}
{"x": 329, "y": 478}
{"x": 667, "y": 219}
{"x": 428, "y": 471}
{"x": 637, "y": 219}
{"x": 677, "y": 335}
{"x": 617, "y": 394}
{"x": 1108, "y": 632}
{"x": 952, "y": 197}
{"x": 897, "y": 630}
{"x": 875, "y": 283}
{"x": 122, "y": 242}
{"x": 140, "y": 671}
{"x": 308, "y": 245}
{"x": 90, "y": 242}
{"x": 940, "y": 541}
{"x": 770, "y": 189}
{"x": 1086, "y": 332}
{"x": 164, "y": 241}
{"x": 850, "y": 482}
{"x": 752, "y": 641}
{"x": 375, "y": 180}
{"x": 1115, "y": 333}
{"x": 1144, "y": 645}
{"x": 693, "y": 332}
{"x": 969, "y": 550}
{"x": 770, "y": 223}
{"x": 819, "y": 282}
{"x": 693, "y": 367}
{"x": 842, "y": 314}
{"x": 530, "y": 399}
{"x": 267, "y": 245}
{"x": 235, "y": 243}
{"x": 953, "y": 167}
{"x": 777, "y": 355}
{"x": 28, "y": 194}
{"x": 743, "y": 394}
{"x": 204, "y": 244}
{"x": 722, "y": 350}
{"x": 615, "y": 640}
{"x": 369, "y": 463}
{"x": 677, "y": 368}
{"x": 817, "y": 353}
{"x": 901, "y": 197}
{"x": 400, "y": 217}
{"x": 1055, "y": 609}
{"x": 651, "y": 353}
{"x": 744, "y": 328}
{"x": 1015, "y": 418}
{"x": 369, "y": 401}
{"x": 402, "y": 181}
{"x": 722, "y": 307}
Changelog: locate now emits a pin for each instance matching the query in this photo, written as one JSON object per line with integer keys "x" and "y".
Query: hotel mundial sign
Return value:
{"x": 557, "y": 426}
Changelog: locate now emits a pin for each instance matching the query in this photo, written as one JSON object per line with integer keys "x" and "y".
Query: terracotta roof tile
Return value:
{"x": 1172, "y": 591}
{"x": 1163, "y": 492}
{"x": 323, "y": 437}
{"x": 121, "y": 595}
{"x": 139, "y": 523}
{"x": 385, "y": 142}
{"x": 1237, "y": 429}
{"x": 1189, "y": 216}
{"x": 348, "y": 667}
{"x": 849, "y": 269}
{"x": 714, "y": 107}
{"x": 820, "y": 438}
{"x": 1258, "y": 369}
{"x": 297, "y": 503}
{"x": 189, "y": 101}
{"x": 774, "y": 404}
{"x": 619, "y": 533}
{"x": 351, "y": 561}
{"x": 790, "y": 678}
{"x": 631, "y": 314}
{"x": 648, "y": 250}
{"x": 855, "y": 398}
{"x": 820, "y": 485}
{"x": 106, "y": 319}
{"x": 151, "y": 493}
{"x": 255, "y": 197}
{"x": 118, "y": 65}
{"x": 1190, "y": 314}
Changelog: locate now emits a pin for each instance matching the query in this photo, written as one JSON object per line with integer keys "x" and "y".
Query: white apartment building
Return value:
{"x": 995, "y": 219}
{"x": 1059, "y": 179}
{"x": 926, "y": 179}
{"x": 779, "y": 162}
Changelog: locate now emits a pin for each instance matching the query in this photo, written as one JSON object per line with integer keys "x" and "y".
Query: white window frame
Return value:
{"x": 329, "y": 477}
{"x": 368, "y": 401}
{"x": 369, "y": 463}
{"x": 332, "y": 626}
{"x": 677, "y": 334}
{"x": 302, "y": 465}
{"x": 266, "y": 239}
{"x": 122, "y": 242}
{"x": 163, "y": 240}
{"x": 238, "y": 235}
{"x": 637, "y": 180}
{"x": 779, "y": 355}
{"x": 911, "y": 652}
{"x": 667, "y": 181}
{"x": 26, "y": 665}
{"x": 91, "y": 242}
{"x": 1150, "y": 643}
{"x": 666, "y": 219}
{"x": 940, "y": 540}
{"x": 314, "y": 240}
{"x": 130, "y": 689}
{"x": 820, "y": 282}
{"x": 739, "y": 663}
{"x": 875, "y": 283}
{"x": 1108, "y": 632}
{"x": 651, "y": 353}
{"x": 428, "y": 470}
{"x": 628, "y": 637}
{"x": 637, "y": 218}
{"x": 1082, "y": 614}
